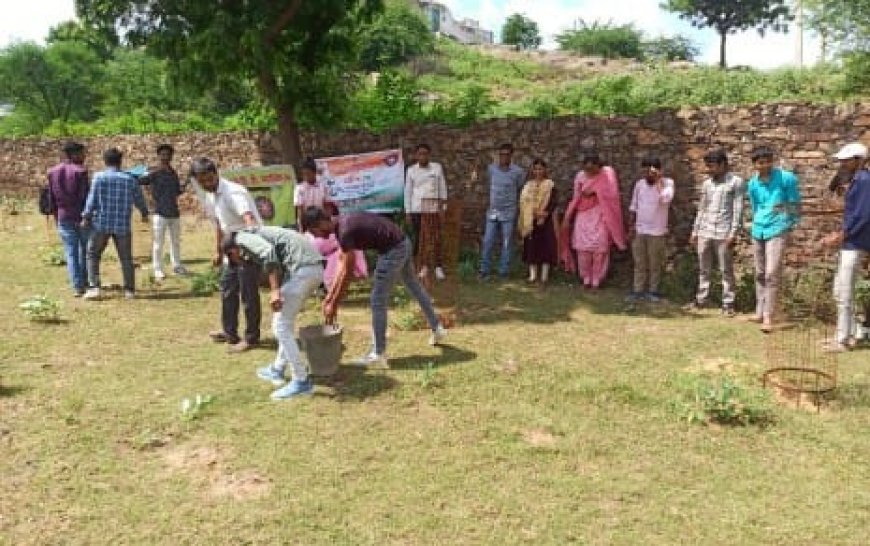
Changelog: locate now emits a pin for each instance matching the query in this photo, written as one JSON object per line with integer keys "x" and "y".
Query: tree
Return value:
{"x": 299, "y": 53}
{"x": 57, "y": 82}
{"x": 604, "y": 39}
{"x": 845, "y": 25}
{"x": 102, "y": 41}
{"x": 728, "y": 17}
{"x": 393, "y": 37}
{"x": 670, "y": 48}
{"x": 521, "y": 32}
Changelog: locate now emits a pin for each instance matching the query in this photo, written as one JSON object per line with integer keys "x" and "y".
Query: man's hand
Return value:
{"x": 275, "y": 300}
{"x": 729, "y": 241}
{"x": 217, "y": 259}
{"x": 693, "y": 239}
{"x": 144, "y": 218}
{"x": 330, "y": 310}
{"x": 85, "y": 223}
{"x": 631, "y": 233}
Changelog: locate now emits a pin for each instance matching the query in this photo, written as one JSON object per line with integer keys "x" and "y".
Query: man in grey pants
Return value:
{"x": 720, "y": 210}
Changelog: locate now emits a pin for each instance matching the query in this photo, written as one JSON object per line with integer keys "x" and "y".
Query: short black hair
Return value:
{"x": 717, "y": 156}
{"x": 507, "y": 146}
{"x": 313, "y": 216}
{"x": 651, "y": 161}
{"x": 593, "y": 157}
{"x": 202, "y": 165}
{"x": 762, "y": 152}
{"x": 73, "y": 148}
{"x": 228, "y": 242}
{"x": 112, "y": 157}
{"x": 423, "y": 146}
{"x": 539, "y": 161}
{"x": 166, "y": 147}
{"x": 309, "y": 164}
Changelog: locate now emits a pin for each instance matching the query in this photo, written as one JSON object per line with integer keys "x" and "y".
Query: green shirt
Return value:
{"x": 775, "y": 204}
{"x": 278, "y": 248}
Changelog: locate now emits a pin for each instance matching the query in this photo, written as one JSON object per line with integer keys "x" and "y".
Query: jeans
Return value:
{"x": 768, "y": 272}
{"x": 506, "y": 228}
{"x": 75, "y": 247}
{"x": 295, "y": 290}
{"x": 160, "y": 226}
{"x": 391, "y": 265}
{"x": 844, "y": 292}
{"x": 123, "y": 246}
{"x": 241, "y": 281}
{"x": 707, "y": 248}
{"x": 649, "y": 252}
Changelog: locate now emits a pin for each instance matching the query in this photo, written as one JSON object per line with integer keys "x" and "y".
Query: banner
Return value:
{"x": 272, "y": 190}
{"x": 373, "y": 182}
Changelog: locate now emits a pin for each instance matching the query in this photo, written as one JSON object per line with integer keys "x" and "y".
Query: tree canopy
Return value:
{"x": 521, "y": 32}
{"x": 604, "y": 39}
{"x": 393, "y": 37}
{"x": 730, "y": 17}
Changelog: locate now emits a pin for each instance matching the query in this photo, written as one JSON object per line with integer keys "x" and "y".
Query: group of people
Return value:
{"x": 593, "y": 225}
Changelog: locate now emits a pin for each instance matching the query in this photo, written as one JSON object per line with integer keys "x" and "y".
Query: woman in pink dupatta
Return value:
{"x": 593, "y": 222}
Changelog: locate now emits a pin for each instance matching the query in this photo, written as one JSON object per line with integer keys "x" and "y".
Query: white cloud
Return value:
{"x": 30, "y": 20}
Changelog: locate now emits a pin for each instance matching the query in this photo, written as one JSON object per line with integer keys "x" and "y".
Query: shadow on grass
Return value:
{"x": 11, "y": 390}
{"x": 449, "y": 355}
{"x": 854, "y": 395}
{"x": 174, "y": 295}
{"x": 357, "y": 384}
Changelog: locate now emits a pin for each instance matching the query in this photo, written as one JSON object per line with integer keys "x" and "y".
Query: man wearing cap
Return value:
{"x": 295, "y": 270}
{"x": 854, "y": 238}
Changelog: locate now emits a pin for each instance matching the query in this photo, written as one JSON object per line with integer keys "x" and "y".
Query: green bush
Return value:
{"x": 205, "y": 283}
{"x": 603, "y": 39}
{"x": 723, "y": 400}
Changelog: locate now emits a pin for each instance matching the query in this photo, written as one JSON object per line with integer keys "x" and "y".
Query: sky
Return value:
{"x": 31, "y": 20}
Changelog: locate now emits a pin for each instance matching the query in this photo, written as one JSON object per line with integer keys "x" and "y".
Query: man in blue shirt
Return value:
{"x": 109, "y": 206}
{"x": 775, "y": 200}
{"x": 854, "y": 238}
{"x": 505, "y": 182}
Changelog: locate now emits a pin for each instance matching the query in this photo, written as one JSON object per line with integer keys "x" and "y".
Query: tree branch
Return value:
{"x": 283, "y": 20}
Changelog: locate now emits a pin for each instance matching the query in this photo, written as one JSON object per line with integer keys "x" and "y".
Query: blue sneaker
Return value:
{"x": 294, "y": 389}
{"x": 270, "y": 374}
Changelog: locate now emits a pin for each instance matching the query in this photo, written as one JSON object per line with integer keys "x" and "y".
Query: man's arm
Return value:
{"x": 736, "y": 210}
{"x": 139, "y": 200}
{"x": 339, "y": 284}
{"x": 409, "y": 190}
{"x": 442, "y": 187}
{"x": 666, "y": 190}
{"x": 92, "y": 203}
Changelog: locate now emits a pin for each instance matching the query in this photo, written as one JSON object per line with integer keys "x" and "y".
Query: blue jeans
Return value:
{"x": 75, "y": 247}
{"x": 123, "y": 246}
{"x": 391, "y": 265}
{"x": 506, "y": 227}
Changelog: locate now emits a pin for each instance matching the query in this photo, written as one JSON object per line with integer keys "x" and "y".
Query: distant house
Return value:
{"x": 465, "y": 31}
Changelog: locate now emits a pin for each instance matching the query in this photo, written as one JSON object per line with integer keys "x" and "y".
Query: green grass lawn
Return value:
{"x": 550, "y": 418}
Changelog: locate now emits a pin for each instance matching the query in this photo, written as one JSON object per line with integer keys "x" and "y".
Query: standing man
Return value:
{"x": 425, "y": 203}
{"x": 505, "y": 182}
{"x": 165, "y": 189}
{"x": 775, "y": 199}
{"x": 367, "y": 231}
{"x": 233, "y": 209}
{"x": 286, "y": 254}
{"x": 649, "y": 228}
{"x": 854, "y": 239}
{"x": 717, "y": 222}
{"x": 68, "y": 192}
{"x": 110, "y": 204}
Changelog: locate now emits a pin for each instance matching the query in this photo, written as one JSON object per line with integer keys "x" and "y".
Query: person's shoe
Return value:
{"x": 373, "y": 361}
{"x": 159, "y": 276}
{"x": 695, "y": 306}
{"x": 766, "y": 327}
{"x": 219, "y": 336}
{"x": 92, "y": 294}
{"x": 837, "y": 347}
{"x": 439, "y": 274}
{"x": 240, "y": 347}
{"x": 438, "y": 335}
{"x": 653, "y": 297}
{"x": 728, "y": 311}
{"x": 755, "y": 319}
{"x": 293, "y": 389}
{"x": 129, "y": 295}
{"x": 424, "y": 272}
{"x": 270, "y": 374}
{"x": 78, "y": 292}
{"x": 181, "y": 271}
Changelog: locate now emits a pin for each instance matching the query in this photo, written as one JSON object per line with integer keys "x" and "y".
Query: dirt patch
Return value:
{"x": 537, "y": 437}
{"x": 206, "y": 468}
{"x": 722, "y": 365}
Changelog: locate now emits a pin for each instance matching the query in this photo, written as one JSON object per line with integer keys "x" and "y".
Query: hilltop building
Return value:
{"x": 465, "y": 31}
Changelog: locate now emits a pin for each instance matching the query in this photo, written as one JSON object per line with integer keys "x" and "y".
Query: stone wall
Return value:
{"x": 805, "y": 135}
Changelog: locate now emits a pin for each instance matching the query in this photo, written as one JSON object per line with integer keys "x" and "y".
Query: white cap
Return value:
{"x": 851, "y": 150}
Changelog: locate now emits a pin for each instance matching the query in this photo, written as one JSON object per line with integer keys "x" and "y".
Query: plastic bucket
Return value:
{"x": 321, "y": 345}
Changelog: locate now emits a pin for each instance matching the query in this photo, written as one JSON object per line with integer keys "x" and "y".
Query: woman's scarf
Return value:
{"x": 534, "y": 198}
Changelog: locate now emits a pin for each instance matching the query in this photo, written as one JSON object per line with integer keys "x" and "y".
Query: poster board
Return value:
{"x": 272, "y": 189}
{"x": 373, "y": 182}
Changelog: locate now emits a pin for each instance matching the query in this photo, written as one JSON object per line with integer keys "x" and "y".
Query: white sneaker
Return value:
{"x": 439, "y": 274}
{"x": 92, "y": 294}
{"x": 373, "y": 361}
{"x": 438, "y": 335}
{"x": 129, "y": 294}
{"x": 159, "y": 276}
{"x": 424, "y": 272}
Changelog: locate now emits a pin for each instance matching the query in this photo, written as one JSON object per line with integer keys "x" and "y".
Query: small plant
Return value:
{"x": 52, "y": 255}
{"x": 408, "y": 320}
{"x": 193, "y": 408}
{"x": 428, "y": 376}
{"x": 205, "y": 283}
{"x": 41, "y": 308}
{"x": 468, "y": 260}
{"x": 862, "y": 294}
{"x": 401, "y": 298}
{"x": 724, "y": 401}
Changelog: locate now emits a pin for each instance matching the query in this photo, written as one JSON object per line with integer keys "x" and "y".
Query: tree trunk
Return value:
{"x": 288, "y": 135}
{"x": 722, "y": 35}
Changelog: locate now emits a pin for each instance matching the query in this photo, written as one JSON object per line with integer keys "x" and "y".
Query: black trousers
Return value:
{"x": 241, "y": 282}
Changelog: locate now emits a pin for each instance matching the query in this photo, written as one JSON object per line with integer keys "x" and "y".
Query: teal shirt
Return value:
{"x": 775, "y": 204}
{"x": 278, "y": 248}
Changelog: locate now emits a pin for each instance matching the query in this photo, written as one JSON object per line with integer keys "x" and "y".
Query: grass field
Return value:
{"x": 550, "y": 418}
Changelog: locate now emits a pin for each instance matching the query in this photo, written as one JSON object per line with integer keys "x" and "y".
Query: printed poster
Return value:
{"x": 272, "y": 189}
{"x": 373, "y": 182}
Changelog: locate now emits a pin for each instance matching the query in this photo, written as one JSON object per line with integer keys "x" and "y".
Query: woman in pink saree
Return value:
{"x": 593, "y": 222}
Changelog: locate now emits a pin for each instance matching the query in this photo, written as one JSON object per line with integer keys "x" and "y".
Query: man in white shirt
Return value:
{"x": 233, "y": 209}
{"x": 425, "y": 203}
